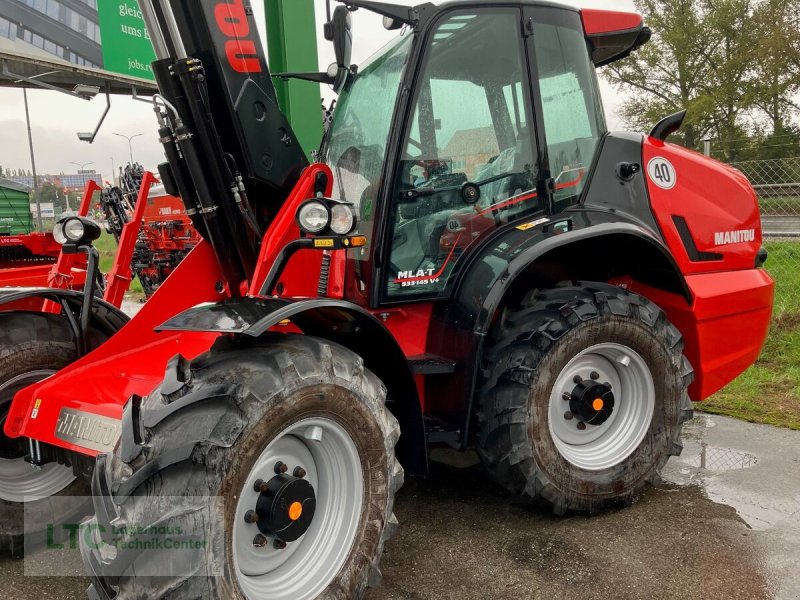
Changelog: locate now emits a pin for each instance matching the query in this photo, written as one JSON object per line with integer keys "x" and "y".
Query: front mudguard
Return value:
{"x": 337, "y": 321}
{"x": 105, "y": 319}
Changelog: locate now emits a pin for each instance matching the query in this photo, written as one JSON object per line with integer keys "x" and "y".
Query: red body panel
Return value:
{"x": 302, "y": 273}
{"x": 131, "y": 362}
{"x": 713, "y": 198}
{"x": 725, "y": 327}
{"x": 409, "y": 326}
{"x": 601, "y": 22}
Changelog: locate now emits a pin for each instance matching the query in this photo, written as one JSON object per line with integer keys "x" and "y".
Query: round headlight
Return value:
{"x": 343, "y": 219}
{"x": 74, "y": 230}
{"x": 313, "y": 217}
{"x": 58, "y": 233}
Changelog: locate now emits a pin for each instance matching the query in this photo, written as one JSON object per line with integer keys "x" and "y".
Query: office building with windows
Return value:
{"x": 72, "y": 182}
{"x": 67, "y": 29}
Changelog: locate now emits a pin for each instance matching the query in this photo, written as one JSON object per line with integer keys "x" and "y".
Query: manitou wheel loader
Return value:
{"x": 474, "y": 261}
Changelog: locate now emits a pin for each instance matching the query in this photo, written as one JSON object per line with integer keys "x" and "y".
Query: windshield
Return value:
{"x": 356, "y": 145}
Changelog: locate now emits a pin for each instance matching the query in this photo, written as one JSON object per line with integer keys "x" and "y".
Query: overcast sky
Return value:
{"x": 56, "y": 118}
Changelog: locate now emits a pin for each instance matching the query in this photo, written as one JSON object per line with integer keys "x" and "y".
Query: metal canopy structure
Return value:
{"x": 44, "y": 71}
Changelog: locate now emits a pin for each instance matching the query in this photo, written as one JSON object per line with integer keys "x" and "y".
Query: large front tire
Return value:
{"x": 293, "y": 400}
{"x": 546, "y": 365}
{"x": 33, "y": 346}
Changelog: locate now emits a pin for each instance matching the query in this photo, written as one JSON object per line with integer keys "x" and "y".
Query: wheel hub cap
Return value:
{"x": 592, "y": 402}
{"x": 286, "y": 508}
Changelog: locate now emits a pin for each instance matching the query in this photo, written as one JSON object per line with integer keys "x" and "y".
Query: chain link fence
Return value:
{"x": 777, "y": 183}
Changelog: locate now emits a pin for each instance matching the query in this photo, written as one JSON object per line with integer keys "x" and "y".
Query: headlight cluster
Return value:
{"x": 323, "y": 215}
{"x": 76, "y": 230}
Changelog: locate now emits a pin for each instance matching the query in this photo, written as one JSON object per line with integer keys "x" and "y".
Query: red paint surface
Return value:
{"x": 725, "y": 327}
{"x": 712, "y": 197}
{"x": 600, "y": 22}
{"x": 131, "y": 362}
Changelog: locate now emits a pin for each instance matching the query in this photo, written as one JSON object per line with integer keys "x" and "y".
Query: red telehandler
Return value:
{"x": 322, "y": 334}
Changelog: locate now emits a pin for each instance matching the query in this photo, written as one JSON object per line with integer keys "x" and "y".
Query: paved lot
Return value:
{"x": 723, "y": 526}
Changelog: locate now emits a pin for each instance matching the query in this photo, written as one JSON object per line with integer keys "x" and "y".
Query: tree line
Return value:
{"x": 733, "y": 64}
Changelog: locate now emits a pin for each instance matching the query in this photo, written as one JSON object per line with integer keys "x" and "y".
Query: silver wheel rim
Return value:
{"x": 19, "y": 480}
{"x": 599, "y": 447}
{"x": 304, "y": 568}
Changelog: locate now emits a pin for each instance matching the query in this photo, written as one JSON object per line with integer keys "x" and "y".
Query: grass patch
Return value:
{"x": 769, "y": 392}
{"x": 107, "y": 247}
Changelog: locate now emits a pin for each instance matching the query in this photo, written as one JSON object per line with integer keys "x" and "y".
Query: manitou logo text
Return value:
{"x": 723, "y": 238}
{"x": 241, "y": 52}
{"x": 87, "y": 430}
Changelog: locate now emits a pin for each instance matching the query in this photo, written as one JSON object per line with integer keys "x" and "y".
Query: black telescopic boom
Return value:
{"x": 232, "y": 155}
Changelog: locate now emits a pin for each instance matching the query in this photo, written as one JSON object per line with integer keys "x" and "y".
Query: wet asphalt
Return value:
{"x": 723, "y": 525}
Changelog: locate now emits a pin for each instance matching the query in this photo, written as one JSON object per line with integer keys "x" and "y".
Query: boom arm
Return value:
{"x": 231, "y": 154}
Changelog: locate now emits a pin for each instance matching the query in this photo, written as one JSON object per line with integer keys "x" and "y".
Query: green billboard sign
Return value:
{"x": 127, "y": 49}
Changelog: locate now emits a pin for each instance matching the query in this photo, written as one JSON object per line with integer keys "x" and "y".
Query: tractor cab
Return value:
{"x": 474, "y": 117}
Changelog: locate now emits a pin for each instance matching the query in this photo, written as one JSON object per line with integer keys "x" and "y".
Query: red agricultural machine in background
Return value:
{"x": 27, "y": 249}
{"x": 166, "y": 235}
{"x": 328, "y": 328}
{"x": 37, "y": 260}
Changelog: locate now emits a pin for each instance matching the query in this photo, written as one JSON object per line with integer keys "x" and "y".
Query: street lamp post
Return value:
{"x": 33, "y": 163}
{"x": 130, "y": 139}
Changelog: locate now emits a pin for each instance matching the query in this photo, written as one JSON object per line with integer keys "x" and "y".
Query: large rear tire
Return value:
{"x": 584, "y": 397}
{"x": 32, "y": 347}
{"x": 291, "y": 400}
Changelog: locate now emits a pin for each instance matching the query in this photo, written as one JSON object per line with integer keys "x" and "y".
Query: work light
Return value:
{"x": 313, "y": 216}
{"x": 76, "y": 230}
{"x": 343, "y": 219}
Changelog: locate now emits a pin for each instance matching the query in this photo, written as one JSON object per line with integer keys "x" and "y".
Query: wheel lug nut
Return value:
{"x": 581, "y": 425}
{"x": 251, "y": 517}
{"x": 259, "y": 541}
{"x": 280, "y": 468}
{"x": 279, "y": 544}
{"x": 595, "y": 375}
{"x": 260, "y": 485}
{"x": 299, "y": 472}
{"x": 568, "y": 415}
{"x": 608, "y": 385}
{"x": 577, "y": 379}
{"x": 566, "y": 396}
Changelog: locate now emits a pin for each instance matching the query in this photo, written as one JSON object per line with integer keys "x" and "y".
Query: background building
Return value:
{"x": 66, "y": 29}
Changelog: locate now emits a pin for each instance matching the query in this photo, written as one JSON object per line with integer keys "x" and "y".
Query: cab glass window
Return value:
{"x": 355, "y": 147}
{"x": 468, "y": 164}
{"x": 571, "y": 106}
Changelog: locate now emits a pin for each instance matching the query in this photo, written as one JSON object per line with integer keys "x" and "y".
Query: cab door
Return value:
{"x": 469, "y": 162}
{"x": 566, "y": 99}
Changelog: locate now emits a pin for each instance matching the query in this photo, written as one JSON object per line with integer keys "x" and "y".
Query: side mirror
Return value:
{"x": 342, "y": 33}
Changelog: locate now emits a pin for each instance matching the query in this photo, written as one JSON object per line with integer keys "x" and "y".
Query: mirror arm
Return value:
{"x": 315, "y": 77}
{"x": 405, "y": 14}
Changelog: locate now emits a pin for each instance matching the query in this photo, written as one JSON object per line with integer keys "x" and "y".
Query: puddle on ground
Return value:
{"x": 721, "y": 460}
{"x": 714, "y": 469}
